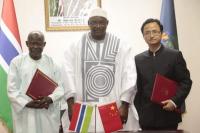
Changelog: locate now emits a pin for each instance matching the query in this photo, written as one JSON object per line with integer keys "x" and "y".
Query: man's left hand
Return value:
{"x": 45, "y": 102}
{"x": 123, "y": 110}
{"x": 168, "y": 105}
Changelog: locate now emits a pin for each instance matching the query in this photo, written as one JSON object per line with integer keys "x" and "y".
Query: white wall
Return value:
{"x": 125, "y": 18}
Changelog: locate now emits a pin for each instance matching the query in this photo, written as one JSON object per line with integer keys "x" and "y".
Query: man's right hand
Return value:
{"x": 34, "y": 104}
{"x": 70, "y": 103}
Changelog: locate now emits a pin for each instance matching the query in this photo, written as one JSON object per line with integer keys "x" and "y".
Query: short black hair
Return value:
{"x": 151, "y": 20}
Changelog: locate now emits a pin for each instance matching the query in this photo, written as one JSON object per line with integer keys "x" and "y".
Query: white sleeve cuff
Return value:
{"x": 173, "y": 103}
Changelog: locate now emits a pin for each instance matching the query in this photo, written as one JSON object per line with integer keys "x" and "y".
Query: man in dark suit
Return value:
{"x": 169, "y": 63}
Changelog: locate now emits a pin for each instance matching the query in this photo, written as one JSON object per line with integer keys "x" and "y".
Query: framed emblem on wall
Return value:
{"x": 68, "y": 15}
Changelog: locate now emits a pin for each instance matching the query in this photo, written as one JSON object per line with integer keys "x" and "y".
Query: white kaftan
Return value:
{"x": 101, "y": 72}
{"x": 29, "y": 120}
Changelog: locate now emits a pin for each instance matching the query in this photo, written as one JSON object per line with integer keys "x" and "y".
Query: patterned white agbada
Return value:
{"x": 28, "y": 120}
{"x": 101, "y": 72}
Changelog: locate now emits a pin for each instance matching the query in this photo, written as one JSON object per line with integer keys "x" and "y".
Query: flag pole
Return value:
{"x": 95, "y": 129}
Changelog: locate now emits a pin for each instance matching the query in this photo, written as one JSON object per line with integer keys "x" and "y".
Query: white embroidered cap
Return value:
{"x": 98, "y": 12}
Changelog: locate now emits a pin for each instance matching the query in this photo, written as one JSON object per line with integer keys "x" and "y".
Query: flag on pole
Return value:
{"x": 81, "y": 118}
{"x": 110, "y": 117}
{"x": 10, "y": 46}
{"x": 168, "y": 19}
{"x": 170, "y": 37}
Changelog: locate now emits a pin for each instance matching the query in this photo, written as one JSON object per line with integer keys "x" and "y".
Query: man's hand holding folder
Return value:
{"x": 164, "y": 89}
{"x": 39, "y": 90}
{"x": 40, "y": 103}
{"x": 168, "y": 105}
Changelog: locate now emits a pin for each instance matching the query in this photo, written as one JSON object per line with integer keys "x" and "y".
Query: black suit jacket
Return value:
{"x": 170, "y": 63}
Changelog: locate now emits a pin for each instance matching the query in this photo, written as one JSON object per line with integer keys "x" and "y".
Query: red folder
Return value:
{"x": 164, "y": 88}
{"x": 41, "y": 85}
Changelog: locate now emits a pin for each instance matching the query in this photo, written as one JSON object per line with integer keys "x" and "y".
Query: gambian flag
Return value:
{"x": 81, "y": 118}
{"x": 10, "y": 46}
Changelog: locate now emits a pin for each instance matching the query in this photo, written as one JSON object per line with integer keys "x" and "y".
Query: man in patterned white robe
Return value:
{"x": 100, "y": 69}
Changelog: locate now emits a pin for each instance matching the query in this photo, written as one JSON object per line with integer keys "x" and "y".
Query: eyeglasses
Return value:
{"x": 153, "y": 33}
{"x": 97, "y": 24}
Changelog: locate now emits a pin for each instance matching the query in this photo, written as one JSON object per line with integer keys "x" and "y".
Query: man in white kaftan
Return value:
{"x": 101, "y": 71}
{"x": 43, "y": 118}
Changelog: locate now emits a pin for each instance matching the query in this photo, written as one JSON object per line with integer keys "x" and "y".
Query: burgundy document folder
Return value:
{"x": 41, "y": 85}
{"x": 164, "y": 88}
